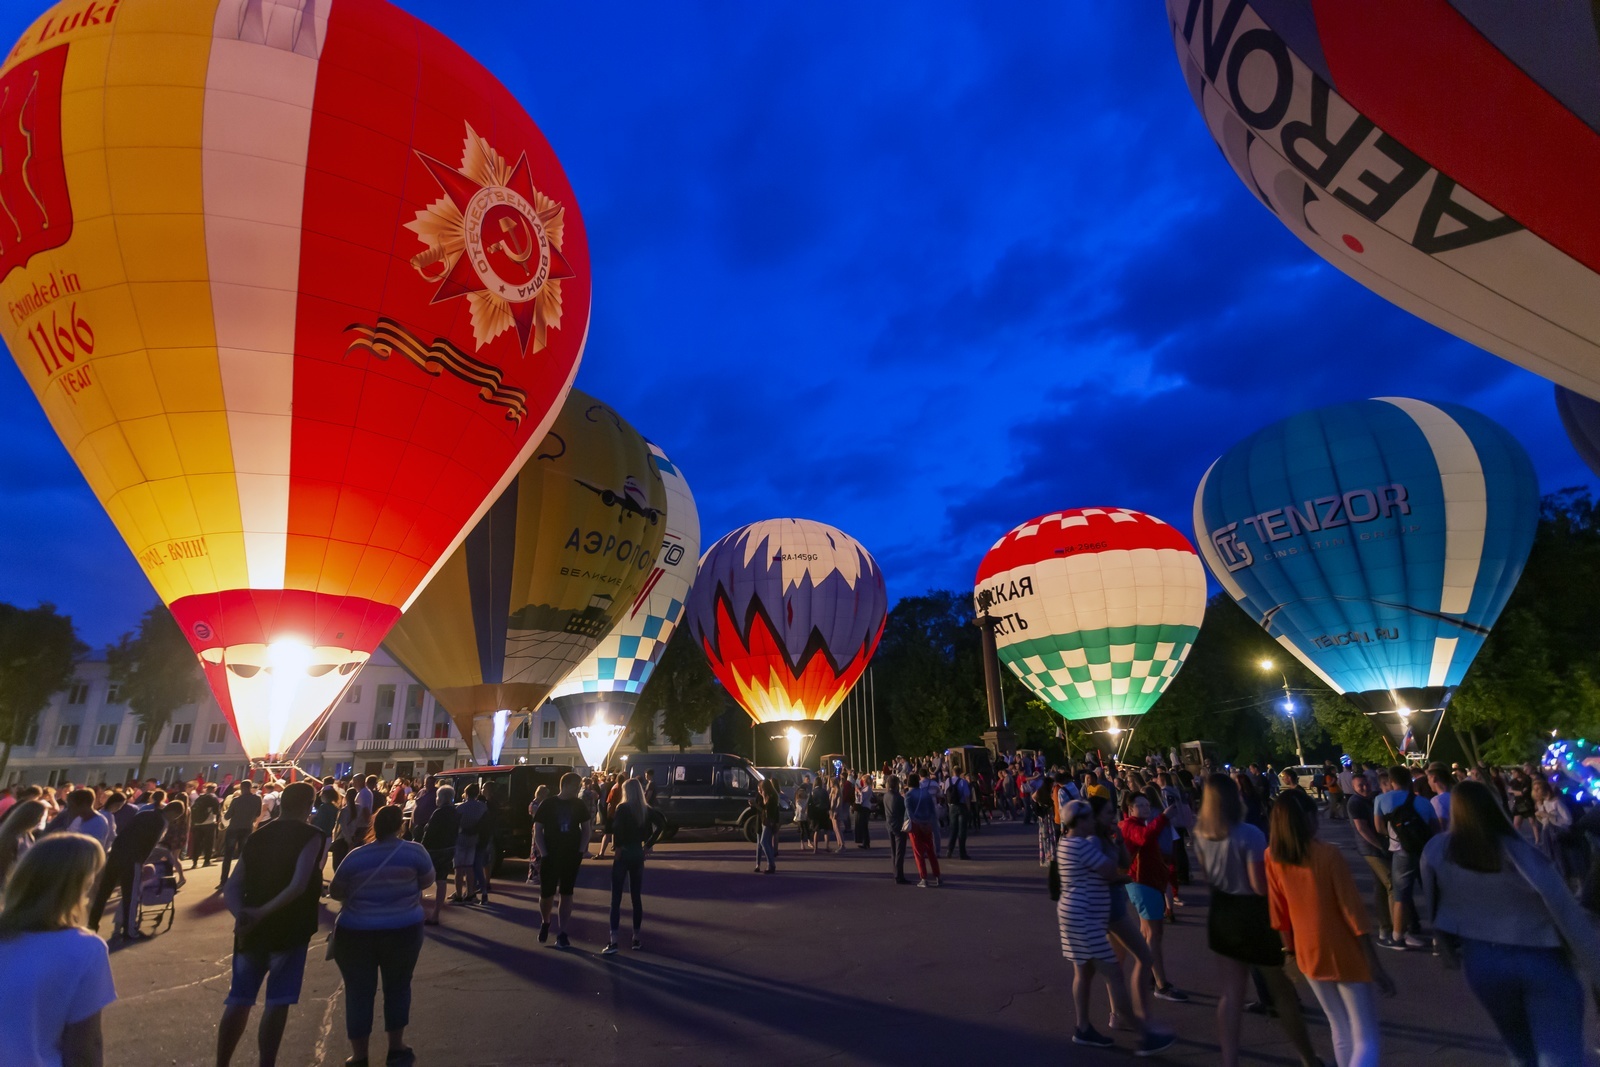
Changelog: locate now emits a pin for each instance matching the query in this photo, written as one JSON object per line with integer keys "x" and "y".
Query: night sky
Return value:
{"x": 919, "y": 270}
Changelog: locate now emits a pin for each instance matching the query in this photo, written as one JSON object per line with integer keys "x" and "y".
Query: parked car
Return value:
{"x": 516, "y": 786}
{"x": 699, "y": 790}
{"x": 1309, "y": 777}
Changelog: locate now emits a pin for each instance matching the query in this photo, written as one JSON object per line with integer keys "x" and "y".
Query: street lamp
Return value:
{"x": 1288, "y": 707}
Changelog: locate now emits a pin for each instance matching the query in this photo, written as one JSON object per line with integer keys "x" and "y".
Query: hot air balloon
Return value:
{"x": 789, "y": 612}
{"x": 596, "y": 700}
{"x": 1441, "y": 153}
{"x": 560, "y": 557}
{"x": 1096, "y": 608}
{"x": 1377, "y": 541}
{"x": 300, "y": 286}
{"x": 1581, "y": 418}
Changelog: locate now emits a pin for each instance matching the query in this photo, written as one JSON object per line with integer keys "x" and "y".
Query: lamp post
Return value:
{"x": 1288, "y": 707}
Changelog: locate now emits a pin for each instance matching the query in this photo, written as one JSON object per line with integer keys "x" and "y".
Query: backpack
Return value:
{"x": 1410, "y": 828}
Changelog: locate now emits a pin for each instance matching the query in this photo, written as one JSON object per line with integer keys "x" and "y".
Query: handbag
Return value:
{"x": 328, "y": 955}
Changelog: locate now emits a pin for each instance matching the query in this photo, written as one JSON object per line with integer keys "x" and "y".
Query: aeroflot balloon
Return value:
{"x": 1440, "y": 152}
{"x": 1377, "y": 540}
{"x": 1097, "y": 607}
{"x": 788, "y": 611}
{"x": 299, "y": 285}
{"x": 599, "y": 695}
{"x": 559, "y": 558}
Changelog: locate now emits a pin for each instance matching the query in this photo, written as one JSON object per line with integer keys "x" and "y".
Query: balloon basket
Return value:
{"x": 281, "y": 770}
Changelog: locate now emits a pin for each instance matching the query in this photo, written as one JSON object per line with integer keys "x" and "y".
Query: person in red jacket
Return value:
{"x": 1148, "y": 890}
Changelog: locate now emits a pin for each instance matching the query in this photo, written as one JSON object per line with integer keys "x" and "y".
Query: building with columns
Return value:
{"x": 387, "y": 724}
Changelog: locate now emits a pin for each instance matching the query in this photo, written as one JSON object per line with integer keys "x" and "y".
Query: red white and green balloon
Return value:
{"x": 1097, "y": 608}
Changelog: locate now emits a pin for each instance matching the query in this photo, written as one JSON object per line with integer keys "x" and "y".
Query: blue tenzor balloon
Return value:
{"x": 1377, "y": 541}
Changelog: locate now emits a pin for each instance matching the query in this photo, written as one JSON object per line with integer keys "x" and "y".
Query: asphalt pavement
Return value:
{"x": 828, "y": 960}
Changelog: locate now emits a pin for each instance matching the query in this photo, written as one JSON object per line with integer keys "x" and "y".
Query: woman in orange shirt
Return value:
{"x": 1325, "y": 927}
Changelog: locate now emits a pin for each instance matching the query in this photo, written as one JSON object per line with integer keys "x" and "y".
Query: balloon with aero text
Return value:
{"x": 789, "y": 612}
{"x": 558, "y": 560}
{"x": 1440, "y": 152}
{"x": 299, "y": 285}
{"x": 597, "y": 699}
{"x": 1096, "y": 608}
{"x": 1376, "y": 540}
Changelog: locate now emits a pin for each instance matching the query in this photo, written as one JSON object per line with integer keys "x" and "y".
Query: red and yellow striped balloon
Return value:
{"x": 300, "y": 285}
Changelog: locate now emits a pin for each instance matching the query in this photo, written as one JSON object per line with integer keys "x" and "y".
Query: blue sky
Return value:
{"x": 919, "y": 270}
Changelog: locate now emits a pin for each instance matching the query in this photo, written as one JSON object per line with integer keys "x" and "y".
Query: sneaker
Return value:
{"x": 922, "y": 883}
{"x": 758, "y": 870}
{"x": 1413, "y": 941}
{"x": 1172, "y": 993}
{"x": 637, "y": 945}
{"x": 544, "y": 932}
{"x": 609, "y": 950}
{"x": 1155, "y": 1041}
{"x": 1392, "y": 943}
{"x": 1088, "y": 1035}
{"x": 562, "y": 941}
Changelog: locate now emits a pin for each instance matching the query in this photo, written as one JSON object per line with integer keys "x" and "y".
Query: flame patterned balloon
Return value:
{"x": 299, "y": 285}
{"x": 599, "y": 695}
{"x": 789, "y": 612}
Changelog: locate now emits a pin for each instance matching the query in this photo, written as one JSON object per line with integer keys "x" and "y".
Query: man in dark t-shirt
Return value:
{"x": 240, "y": 815}
{"x": 1374, "y": 852}
{"x": 205, "y": 814}
{"x": 273, "y": 894}
{"x": 561, "y": 829}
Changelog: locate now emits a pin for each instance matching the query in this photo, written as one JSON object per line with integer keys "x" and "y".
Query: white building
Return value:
{"x": 388, "y": 724}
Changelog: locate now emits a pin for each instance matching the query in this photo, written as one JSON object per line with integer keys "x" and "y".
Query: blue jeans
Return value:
{"x": 1533, "y": 997}
{"x": 767, "y": 845}
{"x": 363, "y": 956}
{"x": 627, "y": 866}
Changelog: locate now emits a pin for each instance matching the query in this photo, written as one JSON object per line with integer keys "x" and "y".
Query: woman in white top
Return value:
{"x": 57, "y": 974}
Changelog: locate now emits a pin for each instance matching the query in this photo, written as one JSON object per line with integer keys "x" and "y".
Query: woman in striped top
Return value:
{"x": 1084, "y": 916}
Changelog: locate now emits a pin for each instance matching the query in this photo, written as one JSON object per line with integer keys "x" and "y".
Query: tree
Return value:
{"x": 682, "y": 690}
{"x": 38, "y": 655}
{"x": 158, "y": 673}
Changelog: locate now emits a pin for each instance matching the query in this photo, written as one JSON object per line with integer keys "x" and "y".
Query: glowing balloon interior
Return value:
{"x": 596, "y": 740}
{"x": 1440, "y": 152}
{"x": 500, "y": 721}
{"x": 1097, "y": 608}
{"x": 299, "y": 285}
{"x": 1377, "y": 541}
{"x": 788, "y": 612}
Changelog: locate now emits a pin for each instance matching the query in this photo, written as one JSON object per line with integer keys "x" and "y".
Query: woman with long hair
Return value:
{"x": 56, "y": 972}
{"x": 635, "y": 827}
{"x": 379, "y": 932}
{"x": 769, "y": 816}
{"x": 1232, "y": 853}
{"x": 800, "y": 805}
{"x": 1505, "y": 916}
{"x": 539, "y": 796}
{"x": 1089, "y": 881}
{"x": 1255, "y": 807}
{"x": 1325, "y": 926}
{"x": 17, "y": 831}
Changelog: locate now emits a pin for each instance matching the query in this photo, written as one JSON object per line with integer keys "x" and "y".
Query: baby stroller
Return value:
{"x": 157, "y": 894}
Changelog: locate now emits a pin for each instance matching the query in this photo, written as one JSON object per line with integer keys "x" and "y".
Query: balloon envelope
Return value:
{"x": 1581, "y": 418}
{"x": 546, "y": 574}
{"x": 1377, "y": 540}
{"x": 789, "y": 612}
{"x": 1097, "y": 608}
{"x": 609, "y": 680}
{"x": 299, "y": 285}
{"x": 1440, "y": 152}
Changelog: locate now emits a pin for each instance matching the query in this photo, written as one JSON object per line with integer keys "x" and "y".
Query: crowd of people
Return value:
{"x": 1488, "y": 870}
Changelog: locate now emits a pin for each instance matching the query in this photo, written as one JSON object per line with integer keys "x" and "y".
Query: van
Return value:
{"x": 515, "y": 786}
{"x": 698, "y": 790}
